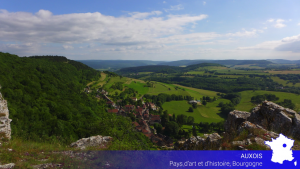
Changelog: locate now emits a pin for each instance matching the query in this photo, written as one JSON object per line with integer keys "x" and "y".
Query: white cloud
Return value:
{"x": 299, "y": 24}
{"x": 164, "y": 2}
{"x": 148, "y": 34}
{"x": 68, "y": 47}
{"x": 268, "y": 45}
{"x": 286, "y": 44}
{"x": 175, "y": 8}
{"x": 279, "y": 23}
{"x": 141, "y": 15}
{"x": 90, "y": 27}
{"x": 204, "y": 3}
{"x": 244, "y": 33}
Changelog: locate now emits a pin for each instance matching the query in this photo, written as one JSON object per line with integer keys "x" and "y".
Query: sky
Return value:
{"x": 162, "y": 30}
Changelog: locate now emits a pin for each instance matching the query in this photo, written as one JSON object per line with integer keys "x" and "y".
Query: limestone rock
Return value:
{"x": 93, "y": 141}
{"x": 238, "y": 143}
{"x": 209, "y": 142}
{"x": 234, "y": 119}
{"x": 276, "y": 118}
{"x": 4, "y": 118}
{"x": 47, "y": 165}
{"x": 8, "y": 166}
{"x": 261, "y": 142}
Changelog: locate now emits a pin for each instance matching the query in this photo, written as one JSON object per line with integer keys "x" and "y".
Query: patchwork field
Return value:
{"x": 284, "y": 82}
{"x": 227, "y": 70}
{"x": 201, "y": 92}
{"x": 246, "y": 105}
{"x": 284, "y": 72}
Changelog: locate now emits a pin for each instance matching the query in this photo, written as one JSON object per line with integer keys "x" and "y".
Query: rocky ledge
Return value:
{"x": 94, "y": 141}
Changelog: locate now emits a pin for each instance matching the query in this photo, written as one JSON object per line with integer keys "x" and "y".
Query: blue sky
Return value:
{"x": 152, "y": 30}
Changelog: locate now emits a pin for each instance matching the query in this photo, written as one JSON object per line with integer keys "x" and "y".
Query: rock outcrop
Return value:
{"x": 243, "y": 129}
{"x": 208, "y": 142}
{"x": 94, "y": 141}
{"x": 8, "y": 166}
{"x": 234, "y": 120}
{"x": 273, "y": 117}
{"x": 4, "y": 119}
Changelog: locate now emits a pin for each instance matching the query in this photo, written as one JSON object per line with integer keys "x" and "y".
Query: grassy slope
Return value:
{"x": 208, "y": 113}
{"x": 138, "y": 86}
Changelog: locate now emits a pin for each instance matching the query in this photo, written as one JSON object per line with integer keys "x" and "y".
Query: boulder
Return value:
{"x": 94, "y": 141}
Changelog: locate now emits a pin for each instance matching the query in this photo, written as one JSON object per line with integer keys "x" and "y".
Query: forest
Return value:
{"x": 47, "y": 103}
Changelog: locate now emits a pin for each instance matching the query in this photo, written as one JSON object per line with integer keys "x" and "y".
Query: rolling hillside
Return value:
{"x": 47, "y": 103}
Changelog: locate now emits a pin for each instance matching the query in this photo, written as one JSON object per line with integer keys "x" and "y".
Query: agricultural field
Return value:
{"x": 228, "y": 71}
{"x": 199, "y": 92}
{"x": 284, "y": 82}
{"x": 138, "y": 86}
{"x": 96, "y": 84}
{"x": 246, "y": 105}
{"x": 209, "y": 113}
{"x": 231, "y": 76}
{"x": 250, "y": 66}
{"x": 145, "y": 73}
{"x": 295, "y": 71}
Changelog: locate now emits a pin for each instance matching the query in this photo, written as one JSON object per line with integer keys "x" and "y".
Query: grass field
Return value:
{"x": 201, "y": 92}
{"x": 138, "y": 86}
{"x": 208, "y": 113}
{"x": 246, "y": 105}
{"x": 284, "y": 82}
{"x": 145, "y": 73}
{"x": 231, "y": 76}
{"x": 296, "y": 71}
{"x": 250, "y": 66}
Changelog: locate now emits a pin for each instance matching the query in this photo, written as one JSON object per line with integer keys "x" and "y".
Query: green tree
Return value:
{"x": 158, "y": 127}
{"x": 194, "y": 131}
{"x": 171, "y": 129}
{"x": 204, "y": 102}
{"x": 194, "y": 105}
{"x": 190, "y": 120}
{"x": 190, "y": 110}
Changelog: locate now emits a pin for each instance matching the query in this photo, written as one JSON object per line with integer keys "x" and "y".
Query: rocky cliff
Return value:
{"x": 5, "y": 130}
{"x": 243, "y": 129}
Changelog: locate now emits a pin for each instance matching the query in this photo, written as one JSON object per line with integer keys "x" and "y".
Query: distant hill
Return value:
{"x": 222, "y": 62}
{"x": 113, "y": 65}
{"x": 164, "y": 68}
{"x": 283, "y": 61}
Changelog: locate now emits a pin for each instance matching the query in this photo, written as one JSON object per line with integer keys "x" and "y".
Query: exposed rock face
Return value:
{"x": 94, "y": 141}
{"x": 4, "y": 118}
{"x": 234, "y": 119}
{"x": 273, "y": 117}
{"x": 263, "y": 123}
{"x": 209, "y": 142}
